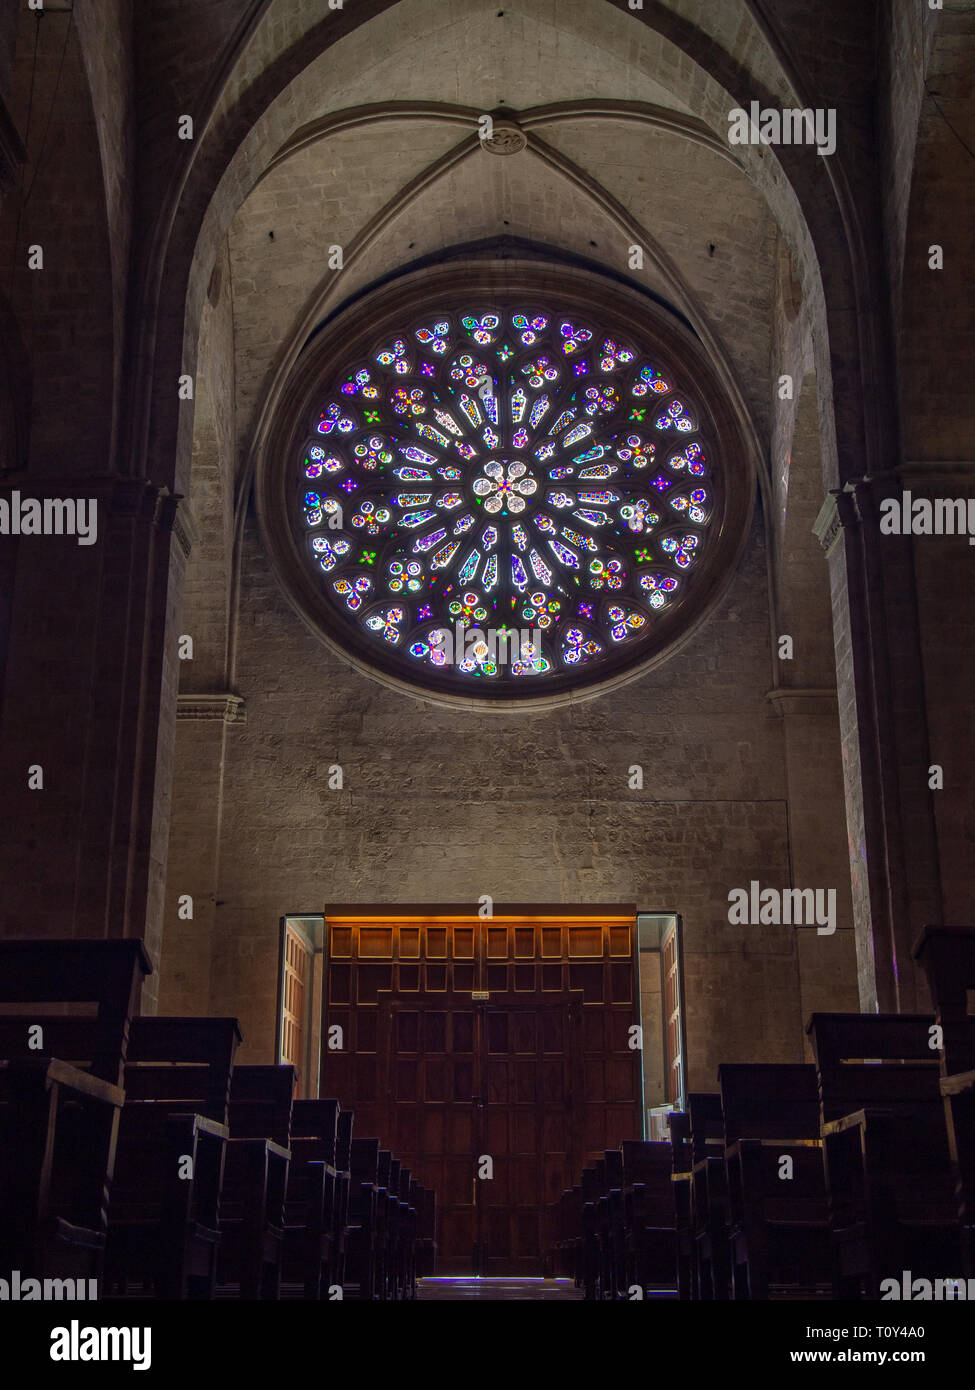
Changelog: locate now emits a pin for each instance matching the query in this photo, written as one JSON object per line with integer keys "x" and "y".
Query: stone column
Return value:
{"x": 89, "y": 696}
{"x": 883, "y": 726}
{"x": 827, "y": 963}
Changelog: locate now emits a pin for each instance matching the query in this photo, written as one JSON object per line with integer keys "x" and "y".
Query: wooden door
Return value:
{"x": 673, "y": 1023}
{"x": 428, "y": 1111}
{"x": 500, "y": 1040}
{"x": 296, "y": 970}
{"x": 529, "y": 1125}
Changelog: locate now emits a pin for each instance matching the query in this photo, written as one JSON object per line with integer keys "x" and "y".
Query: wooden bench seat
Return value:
{"x": 650, "y": 1235}
{"x": 314, "y": 1140}
{"x": 426, "y": 1220}
{"x": 61, "y": 1098}
{"x": 778, "y": 1211}
{"x": 252, "y": 1207}
{"x": 363, "y": 1220}
{"x": 164, "y": 1218}
{"x": 615, "y": 1231}
{"x": 681, "y": 1178}
{"x": 888, "y": 1170}
{"x": 947, "y": 956}
{"x": 711, "y": 1264}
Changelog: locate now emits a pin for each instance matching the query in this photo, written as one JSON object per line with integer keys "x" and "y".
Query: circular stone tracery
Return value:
{"x": 505, "y": 501}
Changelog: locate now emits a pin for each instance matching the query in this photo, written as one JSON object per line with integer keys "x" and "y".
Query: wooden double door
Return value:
{"x": 495, "y": 1097}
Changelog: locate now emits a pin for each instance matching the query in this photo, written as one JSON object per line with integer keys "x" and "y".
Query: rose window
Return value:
{"x": 505, "y": 501}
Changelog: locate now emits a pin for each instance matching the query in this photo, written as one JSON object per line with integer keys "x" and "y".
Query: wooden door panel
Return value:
{"x": 524, "y": 1075}
{"x": 435, "y": 1075}
{"x": 405, "y": 1087}
{"x": 523, "y": 1132}
{"x": 551, "y": 1081}
{"x": 462, "y": 1031}
{"x": 496, "y": 1132}
{"x": 432, "y": 1127}
{"x": 405, "y": 1138}
{"x": 463, "y": 1071}
{"x": 460, "y": 1133}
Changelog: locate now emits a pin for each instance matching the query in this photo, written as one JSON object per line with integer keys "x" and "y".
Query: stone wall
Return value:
{"x": 446, "y": 805}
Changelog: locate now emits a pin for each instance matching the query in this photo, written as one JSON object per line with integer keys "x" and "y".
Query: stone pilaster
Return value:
{"x": 89, "y": 696}
{"x": 204, "y": 724}
{"x": 883, "y": 727}
{"x": 827, "y": 963}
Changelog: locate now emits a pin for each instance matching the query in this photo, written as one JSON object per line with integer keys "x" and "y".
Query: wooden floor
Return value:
{"x": 477, "y": 1290}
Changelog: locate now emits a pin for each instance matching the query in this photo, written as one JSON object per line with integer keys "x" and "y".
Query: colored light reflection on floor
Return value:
{"x": 461, "y": 1288}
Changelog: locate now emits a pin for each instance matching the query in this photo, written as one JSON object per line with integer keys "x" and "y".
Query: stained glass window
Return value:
{"x": 505, "y": 500}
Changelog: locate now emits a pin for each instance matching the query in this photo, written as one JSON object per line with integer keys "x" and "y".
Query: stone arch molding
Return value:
{"x": 423, "y": 291}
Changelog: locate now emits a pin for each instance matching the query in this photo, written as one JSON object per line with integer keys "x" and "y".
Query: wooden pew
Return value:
{"x": 417, "y": 1195}
{"x": 591, "y": 1193}
{"x": 609, "y": 1222}
{"x": 361, "y": 1244}
{"x": 778, "y": 1214}
{"x": 164, "y": 1216}
{"x": 681, "y": 1177}
{"x": 616, "y": 1230}
{"x": 711, "y": 1268}
{"x": 252, "y": 1216}
{"x": 568, "y": 1236}
{"x": 60, "y": 1102}
{"x": 650, "y": 1236}
{"x": 399, "y": 1258}
{"x": 947, "y": 956}
{"x": 383, "y": 1219}
{"x": 108, "y": 974}
{"x": 411, "y": 1192}
{"x": 343, "y": 1165}
{"x": 887, "y": 1165}
{"x": 314, "y": 1221}
{"x": 426, "y": 1260}
{"x": 394, "y": 1256}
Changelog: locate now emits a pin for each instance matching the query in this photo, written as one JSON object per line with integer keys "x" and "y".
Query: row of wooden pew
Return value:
{"x": 134, "y": 1152}
{"x": 807, "y": 1181}
{"x": 614, "y": 1234}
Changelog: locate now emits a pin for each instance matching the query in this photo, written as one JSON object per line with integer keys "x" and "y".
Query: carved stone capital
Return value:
{"x": 828, "y": 523}
{"x": 185, "y": 529}
{"x": 230, "y": 709}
